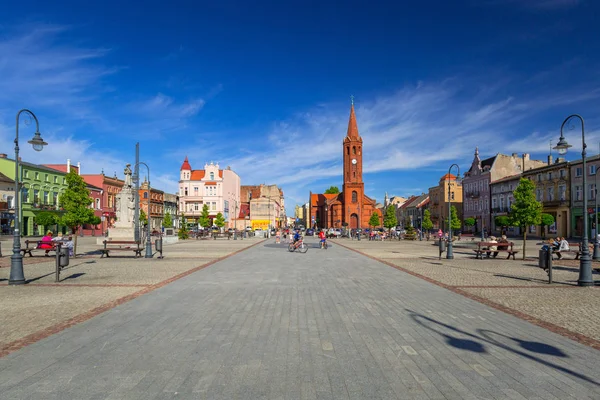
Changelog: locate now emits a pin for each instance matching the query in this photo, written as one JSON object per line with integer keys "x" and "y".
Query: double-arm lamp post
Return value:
{"x": 17, "y": 277}
{"x": 585, "y": 261}
{"x": 148, "y": 242}
{"x": 449, "y": 252}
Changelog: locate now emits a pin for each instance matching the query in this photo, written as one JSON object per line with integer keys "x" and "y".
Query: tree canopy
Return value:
{"x": 332, "y": 190}
{"x": 469, "y": 221}
{"x": 389, "y": 219}
{"x": 168, "y": 221}
{"x": 374, "y": 220}
{"x": 219, "y": 220}
{"x": 525, "y": 210}
{"x": 76, "y": 202}
{"x": 204, "y": 217}
{"x": 426, "y": 223}
{"x": 454, "y": 218}
{"x": 46, "y": 218}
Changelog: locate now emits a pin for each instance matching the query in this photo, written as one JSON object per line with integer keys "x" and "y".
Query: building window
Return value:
{"x": 562, "y": 192}
{"x": 494, "y": 203}
{"x": 550, "y": 194}
{"x": 25, "y": 197}
{"x": 214, "y": 206}
{"x": 195, "y": 190}
{"x": 26, "y": 174}
{"x": 354, "y": 196}
{"x": 577, "y": 193}
{"x": 592, "y": 169}
{"x": 539, "y": 177}
{"x": 591, "y": 190}
{"x": 10, "y": 201}
{"x": 37, "y": 176}
{"x": 97, "y": 204}
{"x": 539, "y": 195}
{"x": 64, "y": 181}
{"x": 549, "y": 176}
{"x": 55, "y": 179}
{"x": 196, "y": 207}
{"x": 212, "y": 176}
{"x": 348, "y": 150}
{"x": 46, "y": 197}
{"x": 452, "y": 195}
{"x": 185, "y": 191}
{"x": 562, "y": 173}
{"x": 578, "y": 171}
{"x": 145, "y": 195}
{"x": 354, "y": 150}
{"x": 36, "y": 194}
{"x": 501, "y": 203}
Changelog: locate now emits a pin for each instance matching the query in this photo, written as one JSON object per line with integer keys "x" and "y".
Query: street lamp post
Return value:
{"x": 449, "y": 253}
{"x": 359, "y": 230}
{"x": 585, "y": 261}
{"x": 17, "y": 277}
{"x": 235, "y": 221}
{"x": 148, "y": 242}
{"x": 421, "y": 224}
{"x": 596, "y": 256}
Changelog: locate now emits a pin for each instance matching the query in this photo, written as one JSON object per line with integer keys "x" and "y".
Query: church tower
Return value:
{"x": 353, "y": 188}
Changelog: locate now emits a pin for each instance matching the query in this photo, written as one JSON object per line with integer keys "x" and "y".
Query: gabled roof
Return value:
{"x": 506, "y": 178}
{"x": 197, "y": 175}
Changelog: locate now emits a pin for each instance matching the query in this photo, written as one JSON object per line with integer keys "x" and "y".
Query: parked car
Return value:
{"x": 334, "y": 233}
{"x": 309, "y": 232}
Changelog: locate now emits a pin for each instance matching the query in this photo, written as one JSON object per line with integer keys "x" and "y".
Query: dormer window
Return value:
{"x": 212, "y": 176}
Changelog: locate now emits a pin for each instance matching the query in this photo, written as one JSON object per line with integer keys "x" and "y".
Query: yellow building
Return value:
{"x": 438, "y": 200}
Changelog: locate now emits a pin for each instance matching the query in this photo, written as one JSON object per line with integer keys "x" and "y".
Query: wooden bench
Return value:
{"x": 501, "y": 248}
{"x": 35, "y": 246}
{"x": 466, "y": 236}
{"x": 123, "y": 245}
{"x": 572, "y": 249}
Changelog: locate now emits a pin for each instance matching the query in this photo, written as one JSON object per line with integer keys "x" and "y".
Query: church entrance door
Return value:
{"x": 353, "y": 221}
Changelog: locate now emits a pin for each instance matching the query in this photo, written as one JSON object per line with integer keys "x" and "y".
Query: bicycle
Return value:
{"x": 299, "y": 245}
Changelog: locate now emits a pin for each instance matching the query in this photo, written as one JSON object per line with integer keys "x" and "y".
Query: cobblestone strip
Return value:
{"x": 456, "y": 289}
{"x": 37, "y": 336}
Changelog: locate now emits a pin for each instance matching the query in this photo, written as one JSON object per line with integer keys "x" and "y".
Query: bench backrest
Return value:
{"x": 488, "y": 244}
{"x": 38, "y": 242}
{"x": 120, "y": 242}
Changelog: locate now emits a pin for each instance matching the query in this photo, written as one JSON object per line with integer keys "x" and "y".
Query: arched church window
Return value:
{"x": 354, "y": 196}
{"x": 353, "y": 149}
{"x": 348, "y": 150}
{"x": 355, "y": 174}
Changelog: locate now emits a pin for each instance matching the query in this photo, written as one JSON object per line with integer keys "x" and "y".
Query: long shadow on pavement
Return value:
{"x": 486, "y": 336}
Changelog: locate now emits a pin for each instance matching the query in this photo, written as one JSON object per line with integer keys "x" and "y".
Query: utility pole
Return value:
{"x": 136, "y": 180}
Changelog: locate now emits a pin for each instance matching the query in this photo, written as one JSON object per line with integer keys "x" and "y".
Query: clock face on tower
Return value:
{"x": 354, "y": 161}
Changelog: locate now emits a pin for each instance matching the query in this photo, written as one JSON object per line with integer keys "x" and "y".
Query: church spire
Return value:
{"x": 352, "y": 127}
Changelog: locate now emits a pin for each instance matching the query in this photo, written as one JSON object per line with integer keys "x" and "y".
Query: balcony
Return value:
{"x": 554, "y": 203}
{"x": 472, "y": 194}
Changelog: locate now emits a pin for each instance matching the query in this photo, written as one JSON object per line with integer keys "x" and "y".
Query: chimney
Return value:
{"x": 514, "y": 155}
{"x": 68, "y": 165}
{"x": 560, "y": 159}
{"x": 78, "y": 168}
{"x": 3, "y": 155}
{"x": 549, "y": 160}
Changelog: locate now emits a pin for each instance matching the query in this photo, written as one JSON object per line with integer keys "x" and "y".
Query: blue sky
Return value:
{"x": 265, "y": 86}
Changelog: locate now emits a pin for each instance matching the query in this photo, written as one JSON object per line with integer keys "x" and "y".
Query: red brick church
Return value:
{"x": 350, "y": 208}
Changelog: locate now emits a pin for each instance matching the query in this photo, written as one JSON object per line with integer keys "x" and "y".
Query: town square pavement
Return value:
{"x": 329, "y": 324}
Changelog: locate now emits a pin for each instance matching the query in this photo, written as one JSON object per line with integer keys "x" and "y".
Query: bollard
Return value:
{"x": 158, "y": 245}
{"x": 549, "y": 264}
{"x": 442, "y": 247}
{"x": 0, "y": 249}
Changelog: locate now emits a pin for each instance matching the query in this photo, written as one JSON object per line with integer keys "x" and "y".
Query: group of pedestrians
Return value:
{"x": 46, "y": 242}
{"x": 556, "y": 245}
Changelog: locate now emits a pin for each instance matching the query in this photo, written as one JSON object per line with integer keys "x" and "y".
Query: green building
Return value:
{"x": 41, "y": 188}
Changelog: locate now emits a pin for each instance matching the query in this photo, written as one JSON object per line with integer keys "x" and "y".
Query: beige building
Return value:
{"x": 438, "y": 200}
{"x": 267, "y": 206}
{"x": 552, "y": 188}
{"x": 501, "y": 191}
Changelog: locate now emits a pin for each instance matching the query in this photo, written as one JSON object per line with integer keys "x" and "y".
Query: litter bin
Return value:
{"x": 64, "y": 257}
{"x": 543, "y": 259}
{"x": 442, "y": 247}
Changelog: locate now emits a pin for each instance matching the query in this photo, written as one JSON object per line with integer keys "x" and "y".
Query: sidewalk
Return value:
{"x": 91, "y": 285}
{"x": 519, "y": 287}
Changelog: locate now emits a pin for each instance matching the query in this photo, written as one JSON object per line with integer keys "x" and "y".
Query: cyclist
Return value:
{"x": 297, "y": 237}
{"x": 322, "y": 237}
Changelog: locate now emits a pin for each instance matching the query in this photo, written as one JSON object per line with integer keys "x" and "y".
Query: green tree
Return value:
{"x": 502, "y": 221}
{"x": 46, "y": 219}
{"x": 204, "y": 218}
{"x": 546, "y": 220}
{"x": 469, "y": 221}
{"x": 332, "y": 190}
{"x": 426, "y": 223}
{"x": 220, "y": 220}
{"x": 76, "y": 202}
{"x": 95, "y": 220}
{"x": 456, "y": 225}
{"x": 168, "y": 221}
{"x": 389, "y": 219}
{"x": 143, "y": 217}
{"x": 526, "y": 210}
{"x": 374, "y": 220}
{"x": 183, "y": 232}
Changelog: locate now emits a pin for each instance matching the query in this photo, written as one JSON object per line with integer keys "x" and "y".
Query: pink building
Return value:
{"x": 218, "y": 188}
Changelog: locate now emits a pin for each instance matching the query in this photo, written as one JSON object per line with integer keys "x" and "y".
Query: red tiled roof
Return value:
{"x": 448, "y": 177}
{"x": 210, "y": 183}
{"x": 220, "y": 173}
{"x": 186, "y": 165}
{"x": 197, "y": 175}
